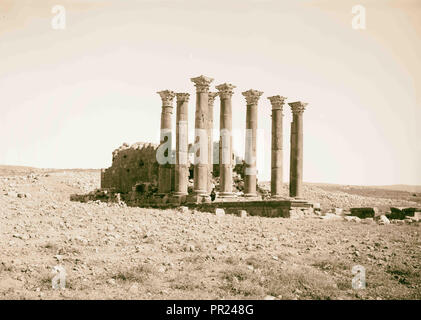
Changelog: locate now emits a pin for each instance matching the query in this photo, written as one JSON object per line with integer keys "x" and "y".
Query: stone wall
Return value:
{"x": 131, "y": 165}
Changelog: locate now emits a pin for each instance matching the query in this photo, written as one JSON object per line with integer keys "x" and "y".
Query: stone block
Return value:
{"x": 365, "y": 212}
{"x": 184, "y": 209}
{"x": 338, "y": 211}
{"x": 316, "y": 206}
{"x": 242, "y": 213}
{"x": 383, "y": 220}
{"x": 352, "y": 219}
{"x": 396, "y": 213}
{"x": 219, "y": 212}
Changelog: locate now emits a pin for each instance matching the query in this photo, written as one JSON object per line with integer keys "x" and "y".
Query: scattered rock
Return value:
{"x": 183, "y": 209}
{"x": 269, "y": 298}
{"x": 365, "y": 212}
{"x": 383, "y": 220}
{"x": 219, "y": 212}
{"x": 352, "y": 219}
{"x": 242, "y": 213}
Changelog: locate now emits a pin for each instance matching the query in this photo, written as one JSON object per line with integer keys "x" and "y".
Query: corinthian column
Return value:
{"x": 181, "y": 165}
{"x": 211, "y": 100}
{"x": 277, "y": 149}
{"x": 225, "y": 141}
{"x": 201, "y": 135}
{"x": 252, "y": 97}
{"x": 163, "y": 156}
{"x": 296, "y": 160}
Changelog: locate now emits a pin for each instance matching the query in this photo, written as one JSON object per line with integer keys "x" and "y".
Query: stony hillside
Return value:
{"x": 110, "y": 251}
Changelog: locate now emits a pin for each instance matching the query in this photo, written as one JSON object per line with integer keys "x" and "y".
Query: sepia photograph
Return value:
{"x": 210, "y": 155}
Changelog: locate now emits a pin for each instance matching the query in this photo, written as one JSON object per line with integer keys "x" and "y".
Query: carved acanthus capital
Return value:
{"x": 167, "y": 97}
{"x": 211, "y": 98}
{"x": 298, "y": 107}
{"x": 277, "y": 102}
{"x": 202, "y": 83}
{"x": 252, "y": 96}
{"x": 225, "y": 90}
{"x": 182, "y": 97}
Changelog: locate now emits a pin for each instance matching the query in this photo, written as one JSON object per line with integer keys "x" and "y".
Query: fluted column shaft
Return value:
{"x": 211, "y": 100}
{"x": 225, "y": 141}
{"x": 250, "y": 181}
{"x": 164, "y": 169}
{"x": 181, "y": 165}
{"x": 277, "y": 146}
{"x": 296, "y": 159}
{"x": 201, "y": 135}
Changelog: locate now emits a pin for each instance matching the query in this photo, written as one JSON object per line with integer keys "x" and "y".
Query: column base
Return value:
{"x": 161, "y": 198}
{"x": 278, "y": 197}
{"x": 225, "y": 196}
{"x": 178, "y": 198}
{"x": 252, "y": 197}
{"x": 198, "y": 198}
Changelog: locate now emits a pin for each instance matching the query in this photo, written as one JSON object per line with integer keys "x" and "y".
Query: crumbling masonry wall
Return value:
{"x": 131, "y": 165}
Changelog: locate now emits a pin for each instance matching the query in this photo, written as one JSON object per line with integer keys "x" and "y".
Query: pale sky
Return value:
{"x": 70, "y": 97}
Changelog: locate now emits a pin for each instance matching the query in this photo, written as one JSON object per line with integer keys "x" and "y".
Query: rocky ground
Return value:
{"x": 115, "y": 252}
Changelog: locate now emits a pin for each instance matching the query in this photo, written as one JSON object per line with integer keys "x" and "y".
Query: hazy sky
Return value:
{"x": 70, "y": 97}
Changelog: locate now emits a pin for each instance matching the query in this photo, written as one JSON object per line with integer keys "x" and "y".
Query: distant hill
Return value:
{"x": 395, "y": 187}
{"x": 8, "y": 170}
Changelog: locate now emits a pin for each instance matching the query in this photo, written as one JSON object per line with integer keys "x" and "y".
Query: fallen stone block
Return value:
{"x": 397, "y": 221}
{"x": 242, "y": 213}
{"x": 365, "y": 212}
{"x": 330, "y": 216}
{"x": 352, "y": 219}
{"x": 316, "y": 206}
{"x": 219, "y": 212}
{"x": 183, "y": 209}
{"x": 366, "y": 220}
{"x": 383, "y": 220}
{"x": 338, "y": 211}
{"x": 403, "y": 212}
{"x": 396, "y": 213}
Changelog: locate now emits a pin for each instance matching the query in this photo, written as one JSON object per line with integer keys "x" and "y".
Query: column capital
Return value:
{"x": 211, "y": 97}
{"x": 225, "y": 90}
{"x": 167, "y": 97}
{"x": 182, "y": 97}
{"x": 252, "y": 96}
{"x": 202, "y": 83}
{"x": 277, "y": 102}
{"x": 298, "y": 107}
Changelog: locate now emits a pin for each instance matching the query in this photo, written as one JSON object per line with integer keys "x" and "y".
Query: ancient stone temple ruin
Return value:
{"x": 155, "y": 175}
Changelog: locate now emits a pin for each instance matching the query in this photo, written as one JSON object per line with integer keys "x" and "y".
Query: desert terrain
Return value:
{"x": 111, "y": 251}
